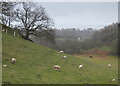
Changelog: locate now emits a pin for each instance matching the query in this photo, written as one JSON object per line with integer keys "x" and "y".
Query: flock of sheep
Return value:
{"x": 13, "y": 60}
{"x": 56, "y": 67}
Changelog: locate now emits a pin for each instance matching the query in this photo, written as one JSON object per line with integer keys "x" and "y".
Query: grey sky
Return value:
{"x": 82, "y": 14}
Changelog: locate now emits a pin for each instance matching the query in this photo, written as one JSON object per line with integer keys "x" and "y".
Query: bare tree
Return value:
{"x": 33, "y": 18}
{"x": 7, "y": 8}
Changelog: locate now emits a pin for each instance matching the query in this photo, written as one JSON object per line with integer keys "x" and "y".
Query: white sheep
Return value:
{"x": 57, "y": 67}
{"x": 113, "y": 80}
{"x": 109, "y": 65}
{"x": 61, "y": 51}
{"x": 5, "y": 66}
{"x": 64, "y": 57}
{"x": 80, "y": 66}
{"x": 13, "y": 60}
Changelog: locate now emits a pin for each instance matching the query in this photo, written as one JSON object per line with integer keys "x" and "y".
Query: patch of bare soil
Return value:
{"x": 102, "y": 57}
{"x": 95, "y": 53}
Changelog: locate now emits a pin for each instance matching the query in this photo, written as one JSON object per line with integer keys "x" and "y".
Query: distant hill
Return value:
{"x": 105, "y": 37}
{"x": 72, "y": 33}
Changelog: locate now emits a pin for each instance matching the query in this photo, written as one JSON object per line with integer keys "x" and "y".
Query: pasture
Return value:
{"x": 35, "y": 63}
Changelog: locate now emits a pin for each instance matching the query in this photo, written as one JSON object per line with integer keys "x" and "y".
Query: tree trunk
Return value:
{"x": 9, "y": 21}
{"x": 27, "y": 34}
{"x": 26, "y": 37}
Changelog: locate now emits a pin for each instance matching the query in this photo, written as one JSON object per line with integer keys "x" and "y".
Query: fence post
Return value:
{"x": 6, "y": 31}
{"x": 18, "y": 35}
{"x": 14, "y": 34}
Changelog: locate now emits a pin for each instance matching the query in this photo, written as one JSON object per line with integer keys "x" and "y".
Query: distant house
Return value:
{"x": 79, "y": 38}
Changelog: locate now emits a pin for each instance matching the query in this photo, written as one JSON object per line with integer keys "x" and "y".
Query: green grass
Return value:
{"x": 35, "y": 65}
{"x": 0, "y": 56}
{"x": 107, "y": 48}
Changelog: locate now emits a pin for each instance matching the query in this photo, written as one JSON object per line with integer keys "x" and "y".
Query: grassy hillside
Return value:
{"x": 35, "y": 65}
{"x": 0, "y": 56}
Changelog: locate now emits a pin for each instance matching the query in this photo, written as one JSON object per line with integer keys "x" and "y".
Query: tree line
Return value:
{"x": 73, "y": 33}
{"x": 107, "y": 36}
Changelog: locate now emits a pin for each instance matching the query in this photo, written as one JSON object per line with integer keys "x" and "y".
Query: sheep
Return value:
{"x": 80, "y": 66}
{"x": 61, "y": 51}
{"x": 64, "y": 57}
{"x": 109, "y": 65}
{"x": 13, "y": 60}
{"x": 57, "y": 67}
{"x": 113, "y": 80}
{"x": 5, "y": 66}
{"x": 90, "y": 56}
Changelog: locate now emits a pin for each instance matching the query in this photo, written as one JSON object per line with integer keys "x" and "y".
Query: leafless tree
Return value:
{"x": 33, "y": 18}
{"x": 6, "y": 12}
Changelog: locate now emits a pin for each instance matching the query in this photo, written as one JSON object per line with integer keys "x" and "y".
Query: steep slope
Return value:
{"x": 0, "y": 56}
{"x": 35, "y": 65}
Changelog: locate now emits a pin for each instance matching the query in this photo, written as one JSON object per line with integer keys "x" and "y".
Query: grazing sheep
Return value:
{"x": 64, "y": 57}
{"x": 5, "y": 66}
{"x": 80, "y": 66}
{"x": 57, "y": 67}
{"x": 109, "y": 65}
{"x": 90, "y": 57}
{"x": 13, "y": 60}
{"x": 113, "y": 80}
{"x": 61, "y": 52}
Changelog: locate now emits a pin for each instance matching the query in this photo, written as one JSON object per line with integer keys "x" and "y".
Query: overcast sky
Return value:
{"x": 82, "y": 14}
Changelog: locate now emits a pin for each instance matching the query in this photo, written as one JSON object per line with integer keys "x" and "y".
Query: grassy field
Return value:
{"x": 0, "y": 57}
{"x": 35, "y": 65}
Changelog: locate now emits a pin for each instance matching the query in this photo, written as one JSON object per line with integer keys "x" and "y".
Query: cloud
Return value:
{"x": 71, "y": 14}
